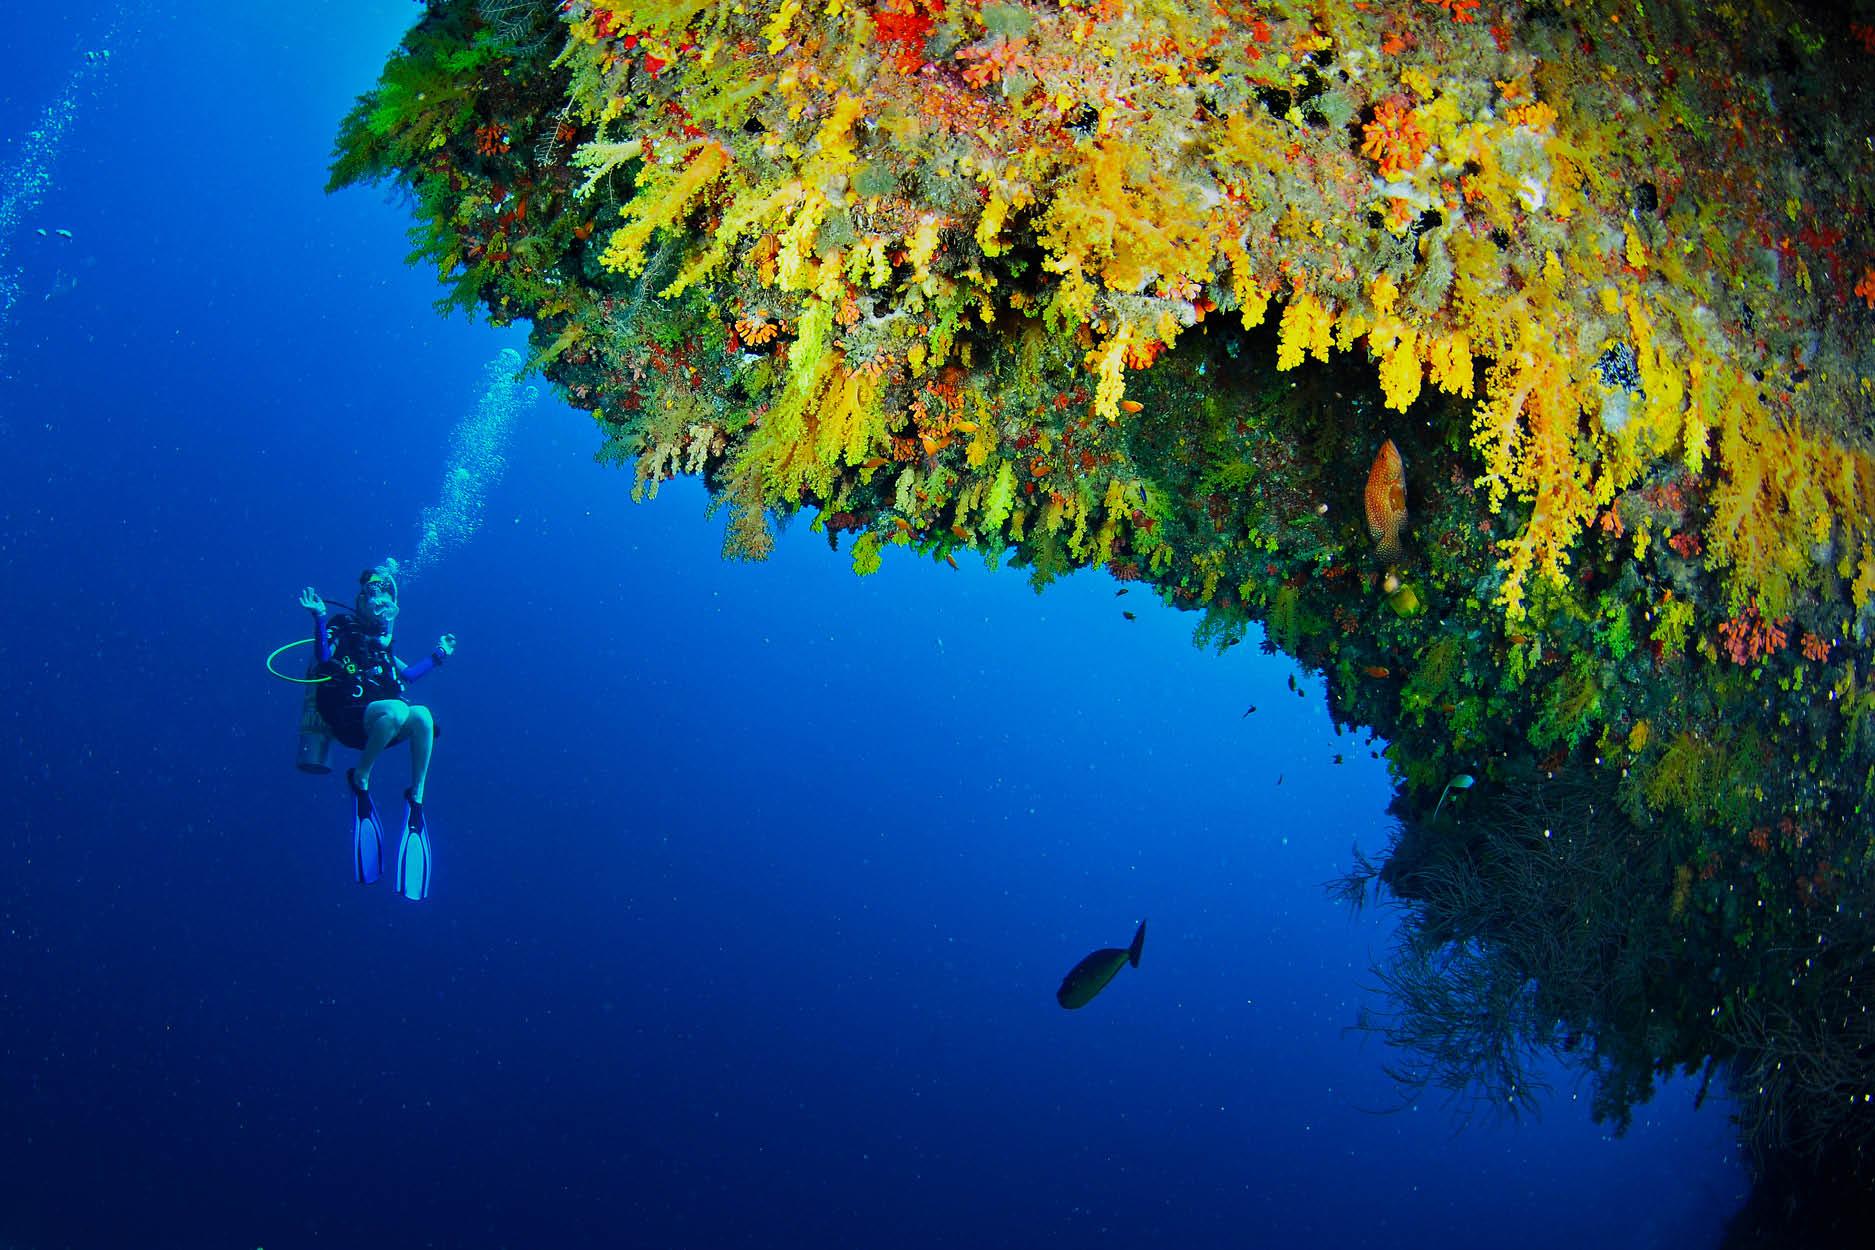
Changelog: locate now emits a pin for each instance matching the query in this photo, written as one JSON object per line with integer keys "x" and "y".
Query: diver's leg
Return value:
{"x": 421, "y": 730}
{"x": 384, "y": 720}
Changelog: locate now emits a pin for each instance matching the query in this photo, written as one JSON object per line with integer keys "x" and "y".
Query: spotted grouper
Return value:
{"x": 1386, "y": 501}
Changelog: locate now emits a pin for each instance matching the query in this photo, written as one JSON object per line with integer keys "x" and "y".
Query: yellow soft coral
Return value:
{"x": 1397, "y": 345}
{"x": 1307, "y": 329}
{"x": 663, "y": 197}
{"x": 1526, "y": 431}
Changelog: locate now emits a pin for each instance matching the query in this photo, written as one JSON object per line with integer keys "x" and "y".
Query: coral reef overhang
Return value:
{"x": 1148, "y": 285}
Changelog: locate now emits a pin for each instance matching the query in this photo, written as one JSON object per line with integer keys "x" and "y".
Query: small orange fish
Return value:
{"x": 951, "y": 560}
{"x": 874, "y": 463}
{"x": 585, "y": 231}
{"x": 963, "y": 535}
{"x": 968, "y": 427}
{"x": 903, "y": 526}
{"x": 1131, "y": 405}
{"x": 1377, "y": 670}
{"x": 1386, "y": 501}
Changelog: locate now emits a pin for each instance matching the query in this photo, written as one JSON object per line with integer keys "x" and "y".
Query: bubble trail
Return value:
{"x": 475, "y": 463}
{"x": 24, "y": 183}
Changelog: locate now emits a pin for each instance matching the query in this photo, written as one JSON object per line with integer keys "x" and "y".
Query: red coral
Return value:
{"x": 908, "y": 28}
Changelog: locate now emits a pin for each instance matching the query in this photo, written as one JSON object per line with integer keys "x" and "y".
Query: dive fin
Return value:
{"x": 1139, "y": 944}
{"x": 413, "y": 854}
{"x": 367, "y": 834}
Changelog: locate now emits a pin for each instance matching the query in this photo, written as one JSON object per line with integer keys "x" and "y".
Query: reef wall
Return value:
{"x": 1510, "y": 363}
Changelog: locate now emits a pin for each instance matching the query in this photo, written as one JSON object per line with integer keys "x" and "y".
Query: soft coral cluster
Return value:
{"x": 1394, "y": 139}
{"x": 907, "y": 186}
{"x": 1749, "y": 636}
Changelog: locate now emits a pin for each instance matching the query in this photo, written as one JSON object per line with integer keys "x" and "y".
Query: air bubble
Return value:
{"x": 477, "y": 448}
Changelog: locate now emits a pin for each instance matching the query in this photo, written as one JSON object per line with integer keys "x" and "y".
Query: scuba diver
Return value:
{"x": 363, "y": 704}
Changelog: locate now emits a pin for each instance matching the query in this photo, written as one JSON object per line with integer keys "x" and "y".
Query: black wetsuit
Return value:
{"x": 363, "y": 670}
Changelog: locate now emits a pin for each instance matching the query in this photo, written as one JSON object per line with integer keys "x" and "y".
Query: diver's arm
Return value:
{"x": 310, "y": 600}
{"x": 410, "y": 672}
{"x": 444, "y": 647}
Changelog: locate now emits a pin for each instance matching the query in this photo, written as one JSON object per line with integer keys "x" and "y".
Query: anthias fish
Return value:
{"x": 1386, "y": 501}
{"x": 1091, "y": 975}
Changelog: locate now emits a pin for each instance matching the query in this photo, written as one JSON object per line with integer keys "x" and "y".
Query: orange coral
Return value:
{"x": 994, "y": 61}
{"x": 1749, "y": 637}
{"x": 1461, "y": 10}
{"x": 1866, "y": 287}
{"x": 1814, "y": 648}
{"x": 756, "y": 330}
{"x": 1394, "y": 138}
{"x": 490, "y": 140}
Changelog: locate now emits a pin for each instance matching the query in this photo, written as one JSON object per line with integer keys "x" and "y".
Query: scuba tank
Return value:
{"x": 315, "y": 740}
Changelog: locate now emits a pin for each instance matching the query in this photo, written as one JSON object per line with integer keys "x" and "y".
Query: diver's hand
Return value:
{"x": 310, "y": 600}
{"x": 446, "y": 645}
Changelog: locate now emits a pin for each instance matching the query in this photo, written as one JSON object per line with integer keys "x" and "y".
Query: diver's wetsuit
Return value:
{"x": 363, "y": 670}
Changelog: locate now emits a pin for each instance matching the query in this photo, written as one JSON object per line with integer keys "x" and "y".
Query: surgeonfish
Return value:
{"x": 1386, "y": 501}
{"x": 1091, "y": 975}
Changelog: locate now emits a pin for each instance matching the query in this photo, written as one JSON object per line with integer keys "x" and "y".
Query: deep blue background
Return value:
{"x": 755, "y": 881}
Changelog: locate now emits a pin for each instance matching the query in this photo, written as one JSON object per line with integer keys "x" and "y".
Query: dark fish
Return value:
{"x": 1091, "y": 975}
{"x": 1248, "y": 710}
{"x": 1122, "y": 590}
{"x": 1129, "y": 616}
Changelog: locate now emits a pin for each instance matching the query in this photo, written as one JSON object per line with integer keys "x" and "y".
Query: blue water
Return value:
{"x": 754, "y": 882}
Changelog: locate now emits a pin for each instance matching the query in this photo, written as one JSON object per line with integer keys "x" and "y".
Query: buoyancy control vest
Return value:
{"x": 362, "y": 668}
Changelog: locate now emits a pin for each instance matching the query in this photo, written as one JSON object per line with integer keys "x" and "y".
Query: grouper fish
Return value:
{"x": 1091, "y": 975}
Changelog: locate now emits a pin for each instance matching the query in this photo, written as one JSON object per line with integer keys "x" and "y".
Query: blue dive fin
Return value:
{"x": 413, "y": 854}
{"x": 367, "y": 834}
